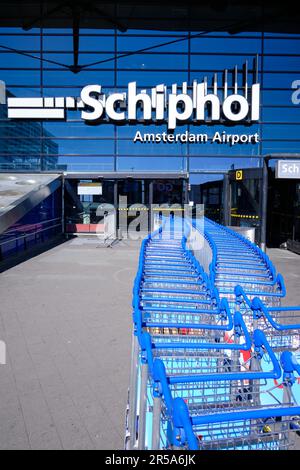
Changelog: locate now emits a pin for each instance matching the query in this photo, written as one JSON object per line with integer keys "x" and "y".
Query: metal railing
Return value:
{"x": 30, "y": 233}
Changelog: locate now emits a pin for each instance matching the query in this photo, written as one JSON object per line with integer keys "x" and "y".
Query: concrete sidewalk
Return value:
{"x": 288, "y": 264}
{"x": 66, "y": 319}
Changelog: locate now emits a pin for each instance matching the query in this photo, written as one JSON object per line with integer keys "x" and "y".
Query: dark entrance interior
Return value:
{"x": 208, "y": 189}
{"x": 125, "y": 194}
{"x": 283, "y": 213}
{"x": 245, "y": 199}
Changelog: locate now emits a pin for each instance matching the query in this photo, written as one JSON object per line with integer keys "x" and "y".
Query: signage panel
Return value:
{"x": 288, "y": 169}
{"x": 90, "y": 189}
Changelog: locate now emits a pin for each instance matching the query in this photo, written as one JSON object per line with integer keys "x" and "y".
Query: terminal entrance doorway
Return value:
{"x": 283, "y": 226}
{"x": 245, "y": 200}
{"x": 129, "y": 196}
{"x": 208, "y": 189}
{"x": 283, "y": 209}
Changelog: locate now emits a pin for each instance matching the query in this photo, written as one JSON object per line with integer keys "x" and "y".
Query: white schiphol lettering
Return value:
{"x": 181, "y": 105}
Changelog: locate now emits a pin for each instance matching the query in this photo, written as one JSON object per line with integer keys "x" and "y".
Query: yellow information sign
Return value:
{"x": 239, "y": 175}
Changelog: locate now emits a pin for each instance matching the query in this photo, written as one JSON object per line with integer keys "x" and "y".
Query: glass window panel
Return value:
{"x": 58, "y": 43}
{"x": 282, "y": 63}
{"x": 273, "y": 131}
{"x": 94, "y": 43}
{"x": 125, "y": 43}
{"x": 281, "y": 115}
{"x": 83, "y": 32}
{"x": 230, "y": 44}
{"x": 210, "y": 148}
{"x": 202, "y": 178}
{"x": 282, "y": 46}
{"x": 23, "y": 92}
{"x": 220, "y": 62}
{"x": 61, "y": 91}
{"x": 9, "y": 59}
{"x": 282, "y": 36}
{"x": 150, "y": 79}
{"x": 222, "y": 164}
{"x": 225, "y": 35}
{"x": 61, "y": 78}
{"x": 86, "y": 43}
{"x": 131, "y": 130}
{"x": 199, "y": 76}
{"x": 78, "y": 147}
{"x": 280, "y": 80}
{"x": 80, "y": 164}
{"x": 9, "y": 30}
{"x": 19, "y": 163}
{"x": 84, "y": 60}
{"x": 236, "y": 129}
{"x": 19, "y": 130}
{"x": 20, "y": 77}
{"x": 154, "y": 61}
{"x": 149, "y": 32}
{"x": 277, "y": 98}
{"x": 161, "y": 164}
{"x": 22, "y": 43}
{"x": 281, "y": 147}
{"x": 78, "y": 129}
{"x": 129, "y": 147}
{"x": 20, "y": 146}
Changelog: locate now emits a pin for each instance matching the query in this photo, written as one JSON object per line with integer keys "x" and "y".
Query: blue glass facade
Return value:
{"x": 37, "y": 64}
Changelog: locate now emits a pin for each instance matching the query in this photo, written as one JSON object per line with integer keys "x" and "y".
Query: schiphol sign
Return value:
{"x": 177, "y": 107}
{"x": 288, "y": 169}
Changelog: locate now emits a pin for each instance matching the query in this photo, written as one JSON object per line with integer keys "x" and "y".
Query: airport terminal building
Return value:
{"x": 155, "y": 102}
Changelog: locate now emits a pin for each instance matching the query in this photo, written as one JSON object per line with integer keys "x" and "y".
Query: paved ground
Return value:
{"x": 288, "y": 264}
{"x": 66, "y": 319}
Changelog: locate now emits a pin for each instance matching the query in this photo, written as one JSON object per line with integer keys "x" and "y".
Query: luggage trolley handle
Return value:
{"x": 147, "y": 345}
{"x": 241, "y": 296}
{"x": 239, "y": 326}
{"x": 260, "y": 309}
{"x": 224, "y": 315}
{"x": 260, "y": 344}
{"x": 183, "y": 423}
{"x": 289, "y": 365}
{"x": 183, "y": 426}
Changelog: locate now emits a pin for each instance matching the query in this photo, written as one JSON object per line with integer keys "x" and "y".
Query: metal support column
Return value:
{"x": 186, "y": 191}
{"x": 226, "y": 201}
{"x": 116, "y": 206}
{"x": 264, "y": 206}
{"x": 156, "y": 423}
{"x": 63, "y": 204}
{"x": 143, "y": 407}
{"x": 150, "y": 205}
{"x": 132, "y": 422}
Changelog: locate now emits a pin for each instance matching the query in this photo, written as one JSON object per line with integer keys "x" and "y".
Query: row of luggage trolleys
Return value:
{"x": 214, "y": 357}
